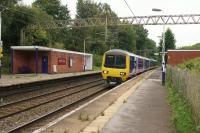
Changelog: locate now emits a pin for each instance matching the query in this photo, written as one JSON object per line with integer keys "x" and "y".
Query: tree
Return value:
{"x": 169, "y": 41}
{"x": 142, "y": 34}
{"x": 96, "y": 42}
{"x": 9, "y": 3}
{"x": 58, "y": 11}
{"x": 127, "y": 39}
{"x": 53, "y": 8}
{"x": 19, "y": 17}
{"x": 150, "y": 48}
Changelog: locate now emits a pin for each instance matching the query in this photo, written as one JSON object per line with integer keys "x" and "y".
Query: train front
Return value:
{"x": 115, "y": 66}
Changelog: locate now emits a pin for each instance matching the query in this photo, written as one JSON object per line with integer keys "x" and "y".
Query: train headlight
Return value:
{"x": 122, "y": 73}
{"x": 105, "y": 72}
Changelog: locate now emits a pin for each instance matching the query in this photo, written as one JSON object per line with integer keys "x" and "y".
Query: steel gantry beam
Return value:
{"x": 113, "y": 21}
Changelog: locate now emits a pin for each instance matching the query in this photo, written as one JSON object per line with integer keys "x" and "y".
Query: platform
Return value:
{"x": 9, "y": 80}
{"x": 146, "y": 110}
{"x": 137, "y": 106}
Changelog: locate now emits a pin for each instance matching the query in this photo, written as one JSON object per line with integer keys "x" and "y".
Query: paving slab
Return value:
{"x": 146, "y": 110}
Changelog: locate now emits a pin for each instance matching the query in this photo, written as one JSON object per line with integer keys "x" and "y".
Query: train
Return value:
{"x": 119, "y": 65}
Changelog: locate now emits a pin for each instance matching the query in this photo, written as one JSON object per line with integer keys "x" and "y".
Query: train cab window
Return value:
{"x": 110, "y": 60}
{"x": 115, "y": 61}
{"x": 121, "y": 61}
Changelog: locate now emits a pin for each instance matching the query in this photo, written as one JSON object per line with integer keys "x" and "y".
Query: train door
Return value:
{"x": 132, "y": 64}
{"x": 135, "y": 65}
{"x": 45, "y": 64}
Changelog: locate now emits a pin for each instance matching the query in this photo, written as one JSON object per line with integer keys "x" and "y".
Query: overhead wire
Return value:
{"x": 130, "y": 8}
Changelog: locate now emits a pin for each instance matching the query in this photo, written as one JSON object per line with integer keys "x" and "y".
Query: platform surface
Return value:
{"x": 146, "y": 110}
{"x": 8, "y": 80}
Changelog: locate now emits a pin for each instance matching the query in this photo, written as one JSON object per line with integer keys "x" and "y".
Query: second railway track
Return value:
{"x": 16, "y": 114}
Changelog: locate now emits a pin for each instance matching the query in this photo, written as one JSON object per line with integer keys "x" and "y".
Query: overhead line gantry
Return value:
{"x": 119, "y": 21}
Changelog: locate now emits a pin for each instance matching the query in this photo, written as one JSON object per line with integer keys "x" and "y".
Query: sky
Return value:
{"x": 184, "y": 34}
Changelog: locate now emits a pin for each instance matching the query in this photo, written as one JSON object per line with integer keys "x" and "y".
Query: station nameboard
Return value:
{"x": 61, "y": 61}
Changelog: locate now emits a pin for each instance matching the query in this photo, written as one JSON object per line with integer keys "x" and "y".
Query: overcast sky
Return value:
{"x": 184, "y": 34}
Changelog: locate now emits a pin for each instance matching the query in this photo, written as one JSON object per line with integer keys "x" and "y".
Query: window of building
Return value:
{"x": 70, "y": 62}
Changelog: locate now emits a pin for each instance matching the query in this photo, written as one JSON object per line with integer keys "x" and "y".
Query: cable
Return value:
{"x": 129, "y": 8}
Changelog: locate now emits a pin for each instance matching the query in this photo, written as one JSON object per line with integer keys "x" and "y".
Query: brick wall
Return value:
{"x": 27, "y": 59}
{"x": 22, "y": 59}
{"x": 178, "y": 57}
{"x": 77, "y": 65}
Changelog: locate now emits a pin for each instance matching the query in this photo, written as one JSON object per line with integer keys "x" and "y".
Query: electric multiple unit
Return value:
{"x": 118, "y": 65}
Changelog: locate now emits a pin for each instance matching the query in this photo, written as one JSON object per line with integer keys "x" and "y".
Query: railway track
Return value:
{"x": 18, "y": 92}
{"x": 17, "y": 113}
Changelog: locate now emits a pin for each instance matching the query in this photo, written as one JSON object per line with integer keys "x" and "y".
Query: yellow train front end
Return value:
{"x": 115, "y": 66}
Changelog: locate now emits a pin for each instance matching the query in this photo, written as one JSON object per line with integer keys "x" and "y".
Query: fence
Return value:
{"x": 188, "y": 84}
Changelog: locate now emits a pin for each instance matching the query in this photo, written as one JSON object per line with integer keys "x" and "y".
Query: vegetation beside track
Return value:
{"x": 191, "y": 47}
{"x": 182, "y": 106}
{"x": 181, "y": 114}
{"x": 191, "y": 65}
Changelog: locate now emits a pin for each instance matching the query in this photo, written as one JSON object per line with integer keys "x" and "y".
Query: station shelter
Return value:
{"x": 37, "y": 59}
{"x": 175, "y": 57}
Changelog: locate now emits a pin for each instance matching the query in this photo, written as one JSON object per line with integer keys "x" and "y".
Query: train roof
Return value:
{"x": 114, "y": 51}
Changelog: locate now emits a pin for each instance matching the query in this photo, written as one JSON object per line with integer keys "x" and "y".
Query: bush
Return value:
{"x": 97, "y": 61}
{"x": 6, "y": 64}
{"x": 192, "y": 65}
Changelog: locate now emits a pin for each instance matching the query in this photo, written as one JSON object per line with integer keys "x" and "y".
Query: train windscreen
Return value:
{"x": 115, "y": 61}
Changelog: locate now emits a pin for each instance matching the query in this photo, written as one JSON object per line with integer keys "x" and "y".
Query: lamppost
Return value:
{"x": 163, "y": 48}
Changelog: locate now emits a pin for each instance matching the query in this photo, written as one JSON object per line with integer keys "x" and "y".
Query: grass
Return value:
{"x": 181, "y": 113}
{"x": 102, "y": 113}
{"x": 66, "y": 131}
{"x": 125, "y": 101}
{"x": 83, "y": 116}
